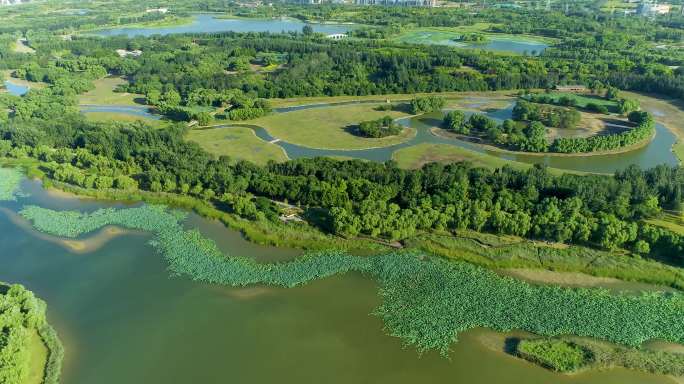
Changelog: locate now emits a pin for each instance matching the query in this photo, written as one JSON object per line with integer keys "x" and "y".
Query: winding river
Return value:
{"x": 656, "y": 152}
{"x": 124, "y": 320}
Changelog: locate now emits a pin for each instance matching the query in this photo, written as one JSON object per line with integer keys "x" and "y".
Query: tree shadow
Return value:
{"x": 511, "y": 345}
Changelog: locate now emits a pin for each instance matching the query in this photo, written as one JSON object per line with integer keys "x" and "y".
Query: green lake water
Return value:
{"x": 123, "y": 319}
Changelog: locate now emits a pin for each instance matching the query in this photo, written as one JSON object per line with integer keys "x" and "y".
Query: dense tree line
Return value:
{"x": 361, "y": 197}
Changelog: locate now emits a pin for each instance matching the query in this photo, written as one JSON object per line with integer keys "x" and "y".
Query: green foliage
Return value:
{"x": 382, "y": 127}
{"x": 426, "y": 104}
{"x": 22, "y": 314}
{"x": 641, "y": 132}
{"x": 454, "y": 296}
{"x": 456, "y": 121}
{"x": 10, "y": 179}
{"x": 570, "y": 354}
{"x": 558, "y": 355}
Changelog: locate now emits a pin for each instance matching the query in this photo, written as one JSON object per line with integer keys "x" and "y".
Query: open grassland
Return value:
{"x": 104, "y": 94}
{"x": 330, "y": 127}
{"x": 416, "y": 156}
{"x": 583, "y": 99}
{"x": 294, "y": 101}
{"x": 237, "y": 142}
{"x": 413, "y": 286}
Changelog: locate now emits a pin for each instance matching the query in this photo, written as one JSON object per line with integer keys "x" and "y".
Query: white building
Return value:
{"x": 648, "y": 8}
{"x": 125, "y": 53}
{"x": 337, "y": 36}
{"x": 157, "y": 10}
{"x": 405, "y": 3}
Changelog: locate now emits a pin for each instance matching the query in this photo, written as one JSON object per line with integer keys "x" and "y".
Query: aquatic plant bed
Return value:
{"x": 10, "y": 178}
{"x": 426, "y": 301}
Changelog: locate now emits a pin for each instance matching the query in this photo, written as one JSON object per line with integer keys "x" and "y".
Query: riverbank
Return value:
{"x": 498, "y": 252}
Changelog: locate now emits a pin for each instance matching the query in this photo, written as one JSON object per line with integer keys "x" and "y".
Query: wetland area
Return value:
{"x": 116, "y": 306}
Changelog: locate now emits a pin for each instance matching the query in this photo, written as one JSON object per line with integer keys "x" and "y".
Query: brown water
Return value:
{"x": 124, "y": 320}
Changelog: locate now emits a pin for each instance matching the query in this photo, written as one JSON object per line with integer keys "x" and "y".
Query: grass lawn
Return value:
{"x": 584, "y": 99}
{"x": 418, "y": 155}
{"x": 238, "y": 143}
{"x": 39, "y": 354}
{"x": 279, "y": 103}
{"x": 678, "y": 150}
{"x": 104, "y": 94}
{"x": 329, "y": 128}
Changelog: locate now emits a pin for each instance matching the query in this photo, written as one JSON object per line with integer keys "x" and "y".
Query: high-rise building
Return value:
{"x": 405, "y": 3}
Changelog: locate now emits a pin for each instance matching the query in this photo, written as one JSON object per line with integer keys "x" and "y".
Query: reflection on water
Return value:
{"x": 16, "y": 89}
{"x": 124, "y": 320}
{"x": 207, "y": 23}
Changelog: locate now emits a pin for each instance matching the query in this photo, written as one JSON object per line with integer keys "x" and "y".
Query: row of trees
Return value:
{"x": 364, "y": 197}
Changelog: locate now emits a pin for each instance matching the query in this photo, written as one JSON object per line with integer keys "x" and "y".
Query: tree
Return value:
{"x": 307, "y": 30}
{"x": 455, "y": 121}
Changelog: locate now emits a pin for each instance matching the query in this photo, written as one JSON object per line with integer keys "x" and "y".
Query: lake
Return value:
{"x": 16, "y": 89}
{"x": 502, "y": 43}
{"x": 122, "y": 319}
{"x": 207, "y": 23}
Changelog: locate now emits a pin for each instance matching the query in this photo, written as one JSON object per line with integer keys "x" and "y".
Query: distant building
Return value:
{"x": 337, "y": 36}
{"x": 404, "y": 3}
{"x": 648, "y": 8}
{"x": 571, "y": 88}
{"x": 155, "y": 10}
{"x": 125, "y": 53}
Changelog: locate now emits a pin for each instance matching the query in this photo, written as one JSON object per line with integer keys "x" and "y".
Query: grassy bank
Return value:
{"x": 239, "y": 143}
{"x": 487, "y": 250}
